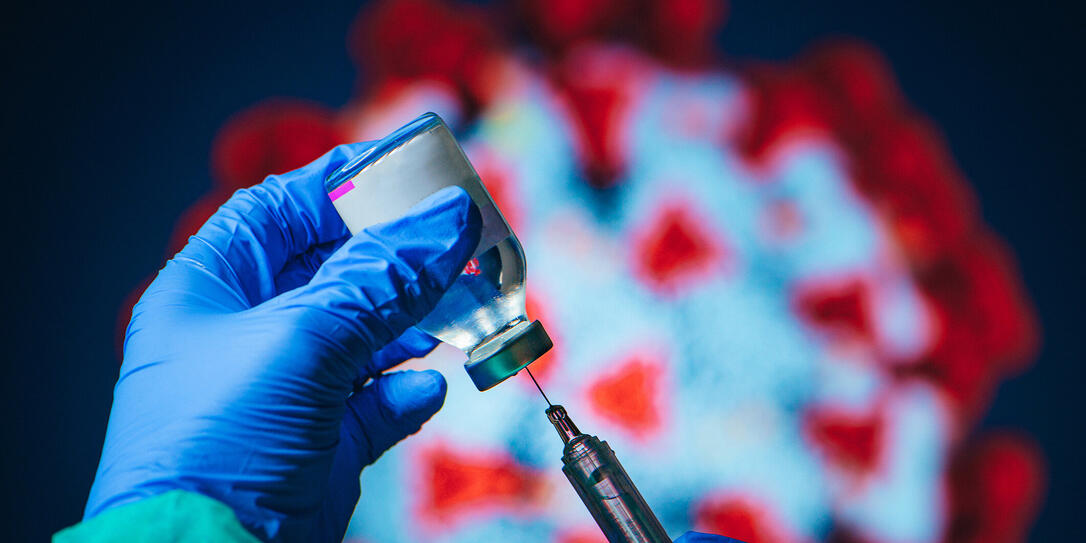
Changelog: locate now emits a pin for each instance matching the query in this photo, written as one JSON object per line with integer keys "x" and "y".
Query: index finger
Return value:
{"x": 249, "y": 240}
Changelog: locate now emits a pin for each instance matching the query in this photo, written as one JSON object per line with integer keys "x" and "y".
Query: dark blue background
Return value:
{"x": 110, "y": 112}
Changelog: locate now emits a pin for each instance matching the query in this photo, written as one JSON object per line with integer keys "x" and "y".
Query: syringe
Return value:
{"x": 604, "y": 486}
{"x": 602, "y": 483}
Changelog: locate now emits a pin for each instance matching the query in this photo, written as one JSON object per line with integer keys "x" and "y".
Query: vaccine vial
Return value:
{"x": 483, "y": 312}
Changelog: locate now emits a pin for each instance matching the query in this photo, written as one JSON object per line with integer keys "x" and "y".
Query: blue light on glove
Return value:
{"x": 242, "y": 356}
{"x": 698, "y": 537}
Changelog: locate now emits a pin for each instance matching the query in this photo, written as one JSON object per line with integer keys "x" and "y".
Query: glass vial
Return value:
{"x": 483, "y": 312}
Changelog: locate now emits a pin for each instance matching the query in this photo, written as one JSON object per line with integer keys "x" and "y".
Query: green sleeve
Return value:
{"x": 176, "y": 516}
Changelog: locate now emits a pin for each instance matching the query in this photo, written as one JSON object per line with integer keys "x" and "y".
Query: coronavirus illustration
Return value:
{"x": 768, "y": 284}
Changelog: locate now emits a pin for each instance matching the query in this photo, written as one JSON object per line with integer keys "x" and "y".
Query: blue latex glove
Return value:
{"x": 242, "y": 355}
{"x": 698, "y": 537}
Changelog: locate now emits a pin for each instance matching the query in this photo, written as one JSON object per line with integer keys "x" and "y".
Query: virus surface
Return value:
{"x": 770, "y": 288}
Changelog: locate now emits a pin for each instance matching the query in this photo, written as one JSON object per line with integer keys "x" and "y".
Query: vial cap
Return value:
{"x": 514, "y": 355}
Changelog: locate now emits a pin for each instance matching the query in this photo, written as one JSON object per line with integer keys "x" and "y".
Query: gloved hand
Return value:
{"x": 242, "y": 355}
{"x": 698, "y": 537}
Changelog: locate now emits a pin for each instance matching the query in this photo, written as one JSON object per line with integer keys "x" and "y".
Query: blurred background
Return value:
{"x": 813, "y": 270}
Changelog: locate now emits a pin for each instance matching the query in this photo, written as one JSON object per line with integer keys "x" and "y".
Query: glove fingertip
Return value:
{"x": 700, "y": 537}
{"x": 437, "y": 385}
{"x": 414, "y": 395}
{"x": 457, "y": 202}
{"x": 417, "y": 343}
{"x": 474, "y": 219}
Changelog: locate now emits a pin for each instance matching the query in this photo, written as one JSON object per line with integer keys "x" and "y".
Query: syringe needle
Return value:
{"x": 549, "y": 404}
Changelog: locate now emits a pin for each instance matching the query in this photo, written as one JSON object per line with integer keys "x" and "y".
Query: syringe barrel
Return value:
{"x": 610, "y": 495}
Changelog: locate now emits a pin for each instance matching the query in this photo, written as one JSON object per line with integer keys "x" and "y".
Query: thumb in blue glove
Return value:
{"x": 698, "y": 537}
{"x": 245, "y": 358}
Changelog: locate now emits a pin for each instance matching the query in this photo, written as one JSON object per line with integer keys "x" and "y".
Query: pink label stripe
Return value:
{"x": 341, "y": 190}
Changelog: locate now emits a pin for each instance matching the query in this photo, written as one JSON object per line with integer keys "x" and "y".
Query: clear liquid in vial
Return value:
{"x": 485, "y": 304}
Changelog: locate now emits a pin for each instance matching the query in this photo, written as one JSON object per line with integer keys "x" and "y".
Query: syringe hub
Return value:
{"x": 561, "y": 421}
